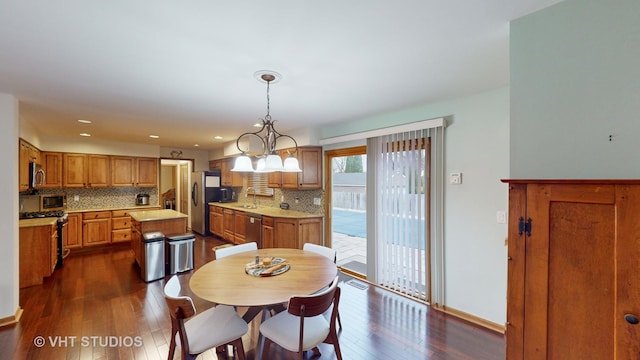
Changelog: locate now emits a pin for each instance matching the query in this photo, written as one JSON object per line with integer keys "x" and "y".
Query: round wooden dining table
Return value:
{"x": 224, "y": 281}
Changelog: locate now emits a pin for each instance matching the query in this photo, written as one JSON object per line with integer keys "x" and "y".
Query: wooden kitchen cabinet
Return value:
{"x": 85, "y": 170}
{"x": 310, "y": 160}
{"x": 52, "y": 165}
{"x": 37, "y": 254}
{"x": 228, "y": 177}
{"x": 229, "y": 224}
{"x": 573, "y": 280}
{"x": 294, "y": 233}
{"x": 72, "y": 233}
{"x": 120, "y": 226}
{"x": 27, "y": 153}
{"x": 134, "y": 171}
{"x": 267, "y": 232}
{"x": 239, "y": 227}
{"x": 96, "y": 228}
{"x": 216, "y": 221}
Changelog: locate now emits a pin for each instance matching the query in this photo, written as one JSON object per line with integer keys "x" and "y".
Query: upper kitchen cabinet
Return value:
{"x": 228, "y": 177}
{"x": 134, "y": 171}
{"x": 85, "y": 170}
{"x": 310, "y": 159}
{"x": 52, "y": 166}
{"x": 27, "y": 153}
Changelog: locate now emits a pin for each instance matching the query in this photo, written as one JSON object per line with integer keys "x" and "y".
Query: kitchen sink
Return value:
{"x": 247, "y": 206}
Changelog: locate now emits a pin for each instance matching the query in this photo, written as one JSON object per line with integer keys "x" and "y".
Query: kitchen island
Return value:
{"x": 167, "y": 221}
{"x": 38, "y": 250}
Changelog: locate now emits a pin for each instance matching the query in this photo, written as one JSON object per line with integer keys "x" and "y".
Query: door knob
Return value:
{"x": 631, "y": 319}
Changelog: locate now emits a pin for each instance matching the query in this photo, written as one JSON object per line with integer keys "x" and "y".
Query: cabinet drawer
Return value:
{"x": 96, "y": 215}
{"x": 119, "y": 213}
{"x": 215, "y": 209}
{"x": 121, "y": 223}
{"x": 267, "y": 221}
{"x": 121, "y": 235}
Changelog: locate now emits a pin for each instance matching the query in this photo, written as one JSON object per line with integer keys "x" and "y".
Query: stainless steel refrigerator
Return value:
{"x": 205, "y": 188}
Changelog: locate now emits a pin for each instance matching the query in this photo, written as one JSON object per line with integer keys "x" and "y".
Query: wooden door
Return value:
{"x": 574, "y": 278}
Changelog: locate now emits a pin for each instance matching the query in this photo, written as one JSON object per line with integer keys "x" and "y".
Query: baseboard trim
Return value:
{"x": 471, "y": 318}
{"x": 11, "y": 320}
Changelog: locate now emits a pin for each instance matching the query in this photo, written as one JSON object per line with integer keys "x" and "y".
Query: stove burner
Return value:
{"x": 42, "y": 214}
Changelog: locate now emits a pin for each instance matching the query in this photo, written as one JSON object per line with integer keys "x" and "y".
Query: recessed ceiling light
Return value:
{"x": 218, "y": 137}
{"x": 84, "y": 121}
{"x": 196, "y": 145}
{"x": 85, "y": 134}
{"x": 257, "y": 125}
{"x": 154, "y": 136}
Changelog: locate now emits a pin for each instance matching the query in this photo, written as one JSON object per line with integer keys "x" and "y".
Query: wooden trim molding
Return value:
{"x": 471, "y": 318}
{"x": 11, "y": 320}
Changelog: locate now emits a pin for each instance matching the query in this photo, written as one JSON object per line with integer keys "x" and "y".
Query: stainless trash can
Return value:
{"x": 180, "y": 253}
{"x": 153, "y": 256}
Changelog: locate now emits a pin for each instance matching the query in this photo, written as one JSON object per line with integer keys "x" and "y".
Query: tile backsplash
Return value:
{"x": 304, "y": 199}
{"x": 104, "y": 198}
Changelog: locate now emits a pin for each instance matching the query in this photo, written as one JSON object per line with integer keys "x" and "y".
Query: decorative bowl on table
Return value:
{"x": 271, "y": 267}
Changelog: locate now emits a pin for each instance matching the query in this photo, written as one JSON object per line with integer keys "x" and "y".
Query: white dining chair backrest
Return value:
{"x": 231, "y": 250}
{"x": 322, "y": 250}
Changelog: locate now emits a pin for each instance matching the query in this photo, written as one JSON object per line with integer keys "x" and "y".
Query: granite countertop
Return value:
{"x": 267, "y": 211}
{"x": 152, "y": 215}
{"x": 48, "y": 221}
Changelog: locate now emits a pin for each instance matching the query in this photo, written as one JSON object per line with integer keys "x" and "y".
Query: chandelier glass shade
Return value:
{"x": 267, "y": 159}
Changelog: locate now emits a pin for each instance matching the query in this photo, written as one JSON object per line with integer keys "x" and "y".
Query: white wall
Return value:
{"x": 9, "y": 281}
{"x": 575, "y": 80}
{"x": 477, "y": 144}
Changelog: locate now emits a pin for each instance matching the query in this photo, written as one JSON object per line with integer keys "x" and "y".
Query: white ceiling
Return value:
{"x": 184, "y": 70}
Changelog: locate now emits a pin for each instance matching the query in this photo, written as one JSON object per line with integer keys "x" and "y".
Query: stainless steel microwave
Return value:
{"x": 32, "y": 203}
{"x": 53, "y": 202}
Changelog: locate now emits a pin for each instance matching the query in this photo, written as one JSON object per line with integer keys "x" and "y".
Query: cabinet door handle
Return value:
{"x": 631, "y": 319}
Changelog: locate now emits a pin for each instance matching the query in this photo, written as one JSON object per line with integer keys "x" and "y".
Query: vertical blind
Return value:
{"x": 402, "y": 219}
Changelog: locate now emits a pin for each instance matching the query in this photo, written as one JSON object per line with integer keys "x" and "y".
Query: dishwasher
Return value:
{"x": 253, "y": 229}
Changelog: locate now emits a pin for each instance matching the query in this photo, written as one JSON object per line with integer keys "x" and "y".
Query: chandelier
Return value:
{"x": 267, "y": 159}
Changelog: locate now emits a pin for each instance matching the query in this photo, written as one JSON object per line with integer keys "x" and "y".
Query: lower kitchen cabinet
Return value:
{"x": 294, "y": 233}
{"x": 38, "y": 253}
{"x": 96, "y": 228}
{"x": 239, "y": 227}
{"x": 267, "y": 232}
{"x": 216, "y": 224}
{"x": 72, "y": 233}
{"x": 229, "y": 225}
{"x": 120, "y": 226}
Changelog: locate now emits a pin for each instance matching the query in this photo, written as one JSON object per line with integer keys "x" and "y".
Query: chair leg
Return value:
{"x": 339, "y": 321}
{"x": 237, "y": 344}
{"x": 265, "y": 348}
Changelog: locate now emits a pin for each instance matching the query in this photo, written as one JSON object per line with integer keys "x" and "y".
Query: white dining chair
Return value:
{"x": 322, "y": 250}
{"x": 199, "y": 332}
{"x": 326, "y": 252}
{"x": 304, "y": 314}
{"x": 231, "y": 250}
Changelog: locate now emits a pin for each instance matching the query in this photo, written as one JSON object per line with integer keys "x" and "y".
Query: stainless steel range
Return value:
{"x": 62, "y": 221}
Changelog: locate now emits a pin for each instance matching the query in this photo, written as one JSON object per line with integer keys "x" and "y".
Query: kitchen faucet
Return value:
{"x": 255, "y": 204}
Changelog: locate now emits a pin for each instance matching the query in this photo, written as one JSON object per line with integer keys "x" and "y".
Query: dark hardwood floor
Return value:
{"x": 97, "y": 307}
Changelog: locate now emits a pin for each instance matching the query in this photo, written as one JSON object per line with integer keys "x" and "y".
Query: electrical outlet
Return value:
{"x": 76, "y": 197}
{"x": 316, "y": 201}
